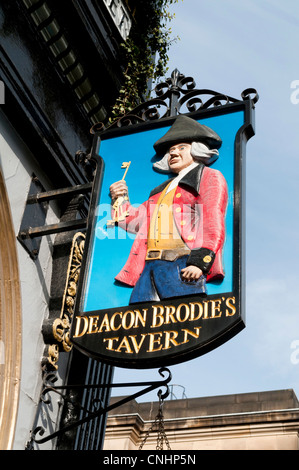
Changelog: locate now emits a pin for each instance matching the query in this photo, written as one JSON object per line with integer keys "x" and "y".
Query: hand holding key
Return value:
{"x": 118, "y": 189}
{"x": 119, "y": 194}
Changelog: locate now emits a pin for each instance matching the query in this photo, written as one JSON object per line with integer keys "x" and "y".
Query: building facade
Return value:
{"x": 60, "y": 73}
{"x": 248, "y": 421}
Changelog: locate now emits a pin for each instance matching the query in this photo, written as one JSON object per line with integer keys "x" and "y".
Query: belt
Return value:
{"x": 167, "y": 255}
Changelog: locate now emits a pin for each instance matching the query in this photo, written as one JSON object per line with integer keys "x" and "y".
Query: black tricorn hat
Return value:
{"x": 186, "y": 129}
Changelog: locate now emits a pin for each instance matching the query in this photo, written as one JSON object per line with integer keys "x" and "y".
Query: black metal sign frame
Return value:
{"x": 215, "y": 318}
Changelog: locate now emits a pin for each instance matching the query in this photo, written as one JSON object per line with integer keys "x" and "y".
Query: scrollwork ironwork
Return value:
{"x": 95, "y": 409}
{"x": 246, "y": 95}
{"x": 56, "y": 330}
{"x": 173, "y": 95}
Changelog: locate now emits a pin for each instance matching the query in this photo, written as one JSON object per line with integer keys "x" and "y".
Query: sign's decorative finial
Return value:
{"x": 177, "y": 95}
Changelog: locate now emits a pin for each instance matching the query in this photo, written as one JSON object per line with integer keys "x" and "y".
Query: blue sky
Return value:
{"x": 228, "y": 46}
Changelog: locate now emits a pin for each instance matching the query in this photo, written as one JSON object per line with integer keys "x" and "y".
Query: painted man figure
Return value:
{"x": 180, "y": 229}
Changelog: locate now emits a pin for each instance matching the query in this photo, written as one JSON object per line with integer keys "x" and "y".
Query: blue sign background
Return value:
{"x": 111, "y": 246}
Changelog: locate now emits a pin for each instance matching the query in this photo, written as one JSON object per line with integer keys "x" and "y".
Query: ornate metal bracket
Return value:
{"x": 56, "y": 330}
{"x": 177, "y": 95}
{"x": 95, "y": 411}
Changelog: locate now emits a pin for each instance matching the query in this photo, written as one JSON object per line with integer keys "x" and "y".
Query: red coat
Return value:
{"x": 200, "y": 203}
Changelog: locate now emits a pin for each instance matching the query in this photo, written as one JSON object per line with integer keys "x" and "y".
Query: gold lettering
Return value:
{"x": 192, "y": 311}
{"x": 157, "y": 316}
{"x": 112, "y": 325}
{"x": 78, "y": 326}
{"x": 230, "y": 306}
{"x": 105, "y": 323}
{"x": 110, "y": 343}
{"x": 170, "y": 311}
{"x": 216, "y": 307}
{"x": 178, "y": 313}
{"x": 131, "y": 316}
{"x": 136, "y": 345}
{"x": 170, "y": 338}
{"x": 205, "y": 308}
{"x": 93, "y": 324}
{"x": 138, "y": 317}
{"x": 191, "y": 333}
{"x": 126, "y": 345}
{"x": 183, "y": 313}
{"x": 152, "y": 342}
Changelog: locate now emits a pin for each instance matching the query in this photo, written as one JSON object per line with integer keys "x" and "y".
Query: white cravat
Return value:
{"x": 181, "y": 174}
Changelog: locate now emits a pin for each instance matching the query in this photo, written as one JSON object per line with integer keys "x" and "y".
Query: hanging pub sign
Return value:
{"x": 163, "y": 271}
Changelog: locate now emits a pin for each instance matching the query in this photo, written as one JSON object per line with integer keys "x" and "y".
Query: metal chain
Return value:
{"x": 159, "y": 421}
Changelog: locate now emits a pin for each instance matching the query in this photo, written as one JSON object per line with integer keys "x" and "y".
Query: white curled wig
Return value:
{"x": 199, "y": 152}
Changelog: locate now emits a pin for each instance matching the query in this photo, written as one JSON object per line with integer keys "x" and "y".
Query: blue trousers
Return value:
{"x": 162, "y": 280}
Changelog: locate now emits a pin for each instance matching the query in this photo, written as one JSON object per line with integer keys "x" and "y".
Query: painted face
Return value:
{"x": 179, "y": 157}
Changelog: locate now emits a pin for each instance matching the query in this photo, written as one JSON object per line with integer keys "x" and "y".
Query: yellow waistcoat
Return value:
{"x": 163, "y": 233}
